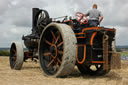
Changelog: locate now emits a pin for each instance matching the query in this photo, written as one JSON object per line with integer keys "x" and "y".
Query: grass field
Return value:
{"x": 4, "y": 52}
{"x": 124, "y": 53}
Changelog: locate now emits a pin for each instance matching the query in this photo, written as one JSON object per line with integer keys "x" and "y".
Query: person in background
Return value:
{"x": 95, "y": 16}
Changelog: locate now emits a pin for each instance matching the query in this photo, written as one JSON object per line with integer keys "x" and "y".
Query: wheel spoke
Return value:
{"x": 60, "y": 52}
{"x": 54, "y": 60}
{"x": 53, "y": 56}
{"x": 14, "y": 58}
{"x": 49, "y": 43}
{"x": 50, "y": 62}
{"x": 14, "y": 63}
{"x": 15, "y": 54}
{"x": 59, "y": 44}
{"x": 53, "y": 40}
{"x": 53, "y": 35}
{"x": 13, "y": 50}
{"x": 47, "y": 54}
{"x": 56, "y": 66}
{"x": 57, "y": 38}
{"x": 58, "y": 60}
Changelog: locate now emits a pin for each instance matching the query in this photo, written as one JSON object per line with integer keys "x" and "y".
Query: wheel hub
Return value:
{"x": 53, "y": 50}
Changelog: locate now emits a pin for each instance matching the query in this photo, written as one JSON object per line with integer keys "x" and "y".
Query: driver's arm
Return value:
{"x": 101, "y": 18}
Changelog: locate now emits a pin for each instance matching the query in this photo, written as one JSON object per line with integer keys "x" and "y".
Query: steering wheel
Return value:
{"x": 81, "y": 18}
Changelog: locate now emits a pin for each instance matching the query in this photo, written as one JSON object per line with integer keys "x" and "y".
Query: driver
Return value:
{"x": 95, "y": 16}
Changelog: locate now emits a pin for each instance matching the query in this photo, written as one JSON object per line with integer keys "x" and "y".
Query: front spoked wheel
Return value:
{"x": 56, "y": 52}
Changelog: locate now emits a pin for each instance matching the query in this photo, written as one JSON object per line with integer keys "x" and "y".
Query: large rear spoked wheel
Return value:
{"x": 16, "y": 56}
{"x": 57, "y": 50}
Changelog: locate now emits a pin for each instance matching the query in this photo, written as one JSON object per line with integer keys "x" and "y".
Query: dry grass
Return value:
{"x": 32, "y": 75}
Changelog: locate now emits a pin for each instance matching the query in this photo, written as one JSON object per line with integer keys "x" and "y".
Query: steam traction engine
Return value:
{"x": 60, "y": 45}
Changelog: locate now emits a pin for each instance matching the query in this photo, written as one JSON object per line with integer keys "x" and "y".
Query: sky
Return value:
{"x": 16, "y": 16}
